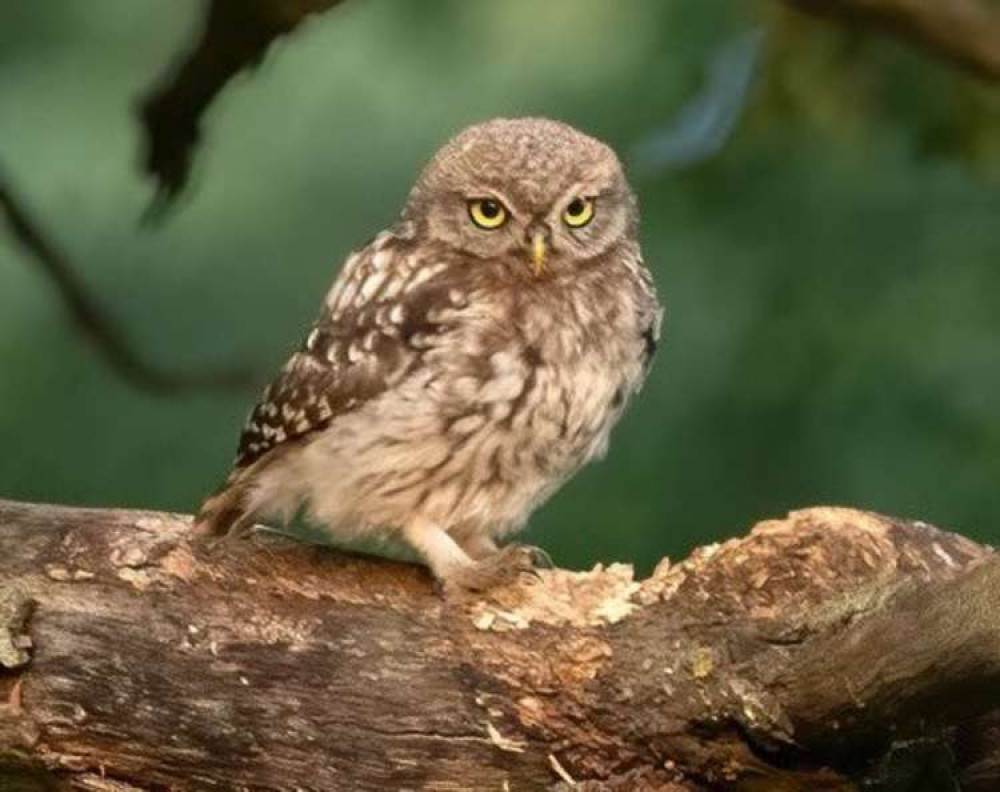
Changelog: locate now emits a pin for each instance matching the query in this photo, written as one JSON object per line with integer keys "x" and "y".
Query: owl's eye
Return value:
{"x": 579, "y": 212}
{"x": 487, "y": 213}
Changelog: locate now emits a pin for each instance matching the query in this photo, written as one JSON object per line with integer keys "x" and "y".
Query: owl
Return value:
{"x": 465, "y": 363}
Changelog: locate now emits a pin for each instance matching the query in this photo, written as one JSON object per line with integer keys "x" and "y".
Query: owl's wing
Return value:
{"x": 389, "y": 306}
{"x": 650, "y": 314}
{"x": 359, "y": 346}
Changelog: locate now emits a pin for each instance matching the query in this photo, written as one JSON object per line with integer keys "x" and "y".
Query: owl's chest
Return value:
{"x": 585, "y": 340}
{"x": 585, "y": 361}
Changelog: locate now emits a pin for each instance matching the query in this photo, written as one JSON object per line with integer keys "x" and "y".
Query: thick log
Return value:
{"x": 825, "y": 651}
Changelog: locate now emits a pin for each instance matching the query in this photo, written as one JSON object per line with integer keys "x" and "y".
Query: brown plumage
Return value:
{"x": 466, "y": 362}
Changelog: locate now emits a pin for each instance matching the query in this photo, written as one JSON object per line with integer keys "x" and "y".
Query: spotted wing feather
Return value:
{"x": 363, "y": 342}
{"x": 359, "y": 346}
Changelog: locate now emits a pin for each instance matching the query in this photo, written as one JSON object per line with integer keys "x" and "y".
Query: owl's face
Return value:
{"x": 525, "y": 190}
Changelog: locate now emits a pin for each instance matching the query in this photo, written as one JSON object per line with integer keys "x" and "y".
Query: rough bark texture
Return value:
{"x": 826, "y": 651}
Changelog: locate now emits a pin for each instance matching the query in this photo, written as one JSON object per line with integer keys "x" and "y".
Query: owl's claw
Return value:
{"x": 542, "y": 560}
{"x": 504, "y": 567}
{"x": 238, "y": 536}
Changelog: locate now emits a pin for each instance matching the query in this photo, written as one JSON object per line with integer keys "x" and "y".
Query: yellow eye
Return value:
{"x": 579, "y": 212}
{"x": 487, "y": 213}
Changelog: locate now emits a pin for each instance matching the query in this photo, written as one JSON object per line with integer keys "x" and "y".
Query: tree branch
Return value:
{"x": 236, "y": 35}
{"x": 817, "y": 653}
{"x": 966, "y": 32}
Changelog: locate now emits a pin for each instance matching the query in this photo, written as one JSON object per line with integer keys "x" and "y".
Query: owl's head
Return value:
{"x": 525, "y": 189}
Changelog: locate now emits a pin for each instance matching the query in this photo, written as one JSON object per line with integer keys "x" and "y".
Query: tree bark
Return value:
{"x": 826, "y": 651}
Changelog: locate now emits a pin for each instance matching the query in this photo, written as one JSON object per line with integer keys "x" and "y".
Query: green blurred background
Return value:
{"x": 832, "y": 275}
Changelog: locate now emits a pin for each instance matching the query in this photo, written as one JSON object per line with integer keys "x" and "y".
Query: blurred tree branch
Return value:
{"x": 90, "y": 318}
{"x": 966, "y": 32}
{"x": 235, "y": 36}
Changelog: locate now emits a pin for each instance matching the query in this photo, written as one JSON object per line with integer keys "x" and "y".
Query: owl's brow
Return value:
{"x": 488, "y": 193}
{"x": 578, "y": 191}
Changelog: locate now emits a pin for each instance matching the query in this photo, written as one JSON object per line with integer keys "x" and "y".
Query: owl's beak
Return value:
{"x": 539, "y": 247}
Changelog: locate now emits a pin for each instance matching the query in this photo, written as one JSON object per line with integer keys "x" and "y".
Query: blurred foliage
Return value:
{"x": 831, "y": 276}
{"x": 849, "y": 84}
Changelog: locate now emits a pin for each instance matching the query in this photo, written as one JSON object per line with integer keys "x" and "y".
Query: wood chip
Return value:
{"x": 561, "y": 771}
{"x": 504, "y": 743}
{"x": 14, "y": 700}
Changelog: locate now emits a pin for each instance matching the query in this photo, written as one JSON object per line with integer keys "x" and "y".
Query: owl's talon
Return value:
{"x": 502, "y": 568}
{"x": 239, "y": 533}
{"x": 541, "y": 558}
{"x": 242, "y": 533}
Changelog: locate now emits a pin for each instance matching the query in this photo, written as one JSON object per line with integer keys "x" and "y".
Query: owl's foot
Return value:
{"x": 478, "y": 566}
{"x": 219, "y": 543}
{"x": 501, "y": 568}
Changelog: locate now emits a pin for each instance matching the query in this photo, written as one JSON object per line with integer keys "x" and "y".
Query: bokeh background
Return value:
{"x": 829, "y": 251}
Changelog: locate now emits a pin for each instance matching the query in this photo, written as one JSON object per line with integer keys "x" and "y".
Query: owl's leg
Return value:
{"x": 442, "y": 554}
{"x": 454, "y": 568}
{"x": 478, "y": 545}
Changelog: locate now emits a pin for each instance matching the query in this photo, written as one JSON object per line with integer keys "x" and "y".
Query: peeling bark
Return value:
{"x": 826, "y": 651}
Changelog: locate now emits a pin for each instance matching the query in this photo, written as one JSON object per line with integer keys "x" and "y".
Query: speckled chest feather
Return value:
{"x": 452, "y": 389}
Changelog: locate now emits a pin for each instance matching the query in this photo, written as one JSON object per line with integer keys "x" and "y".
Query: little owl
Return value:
{"x": 465, "y": 363}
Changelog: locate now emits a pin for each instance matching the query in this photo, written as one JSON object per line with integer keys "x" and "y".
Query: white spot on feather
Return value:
{"x": 943, "y": 554}
{"x": 370, "y": 285}
{"x": 423, "y": 275}
{"x": 468, "y": 424}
